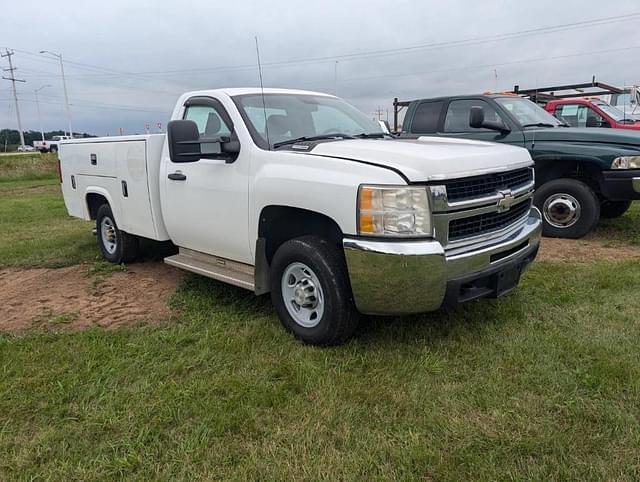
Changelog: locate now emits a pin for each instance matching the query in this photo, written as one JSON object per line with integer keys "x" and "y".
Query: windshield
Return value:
{"x": 527, "y": 113}
{"x": 613, "y": 112}
{"x": 293, "y": 116}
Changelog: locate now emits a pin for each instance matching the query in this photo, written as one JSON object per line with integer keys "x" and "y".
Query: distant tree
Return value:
{"x": 12, "y": 136}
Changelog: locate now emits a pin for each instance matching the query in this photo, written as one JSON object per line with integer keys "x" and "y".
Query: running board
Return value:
{"x": 221, "y": 269}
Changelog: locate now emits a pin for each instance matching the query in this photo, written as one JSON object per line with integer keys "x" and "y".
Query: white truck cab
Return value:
{"x": 301, "y": 195}
{"x": 628, "y": 101}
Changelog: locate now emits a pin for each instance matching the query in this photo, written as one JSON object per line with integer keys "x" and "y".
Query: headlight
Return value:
{"x": 626, "y": 162}
{"x": 394, "y": 211}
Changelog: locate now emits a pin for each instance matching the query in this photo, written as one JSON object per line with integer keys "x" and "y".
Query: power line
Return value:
{"x": 366, "y": 54}
{"x": 492, "y": 65}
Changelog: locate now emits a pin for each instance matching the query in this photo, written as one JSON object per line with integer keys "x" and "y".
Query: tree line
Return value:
{"x": 11, "y": 137}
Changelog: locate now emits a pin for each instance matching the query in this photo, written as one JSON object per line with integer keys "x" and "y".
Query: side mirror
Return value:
{"x": 186, "y": 145}
{"x": 384, "y": 125}
{"x": 477, "y": 121}
{"x": 476, "y": 117}
{"x": 184, "y": 141}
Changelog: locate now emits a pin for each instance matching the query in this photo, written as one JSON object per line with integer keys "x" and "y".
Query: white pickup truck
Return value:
{"x": 301, "y": 195}
{"x": 50, "y": 145}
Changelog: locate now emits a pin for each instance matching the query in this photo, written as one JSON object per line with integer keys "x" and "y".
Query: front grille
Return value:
{"x": 486, "y": 223}
{"x": 487, "y": 184}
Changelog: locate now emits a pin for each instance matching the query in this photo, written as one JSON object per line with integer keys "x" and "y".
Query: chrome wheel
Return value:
{"x": 561, "y": 210}
{"x": 302, "y": 295}
{"x": 108, "y": 235}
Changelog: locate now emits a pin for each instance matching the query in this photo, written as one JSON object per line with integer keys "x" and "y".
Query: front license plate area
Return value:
{"x": 505, "y": 281}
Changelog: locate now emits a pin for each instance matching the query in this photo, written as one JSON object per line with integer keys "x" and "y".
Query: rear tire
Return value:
{"x": 613, "y": 209}
{"x": 116, "y": 246}
{"x": 53, "y": 149}
{"x": 311, "y": 292}
{"x": 570, "y": 208}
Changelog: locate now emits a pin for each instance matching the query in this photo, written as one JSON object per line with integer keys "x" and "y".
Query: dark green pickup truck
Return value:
{"x": 581, "y": 174}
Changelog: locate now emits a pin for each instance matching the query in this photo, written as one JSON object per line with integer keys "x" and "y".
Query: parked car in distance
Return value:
{"x": 581, "y": 173}
{"x": 25, "y": 149}
{"x": 590, "y": 112}
{"x": 301, "y": 195}
{"x": 50, "y": 145}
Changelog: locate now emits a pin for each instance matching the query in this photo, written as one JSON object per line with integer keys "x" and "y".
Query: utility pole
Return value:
{"x": 38, "y": 108}
{"x": 378, "y": 113}
{"x": 64, "y": 85}
{"x": 13, "y": 80}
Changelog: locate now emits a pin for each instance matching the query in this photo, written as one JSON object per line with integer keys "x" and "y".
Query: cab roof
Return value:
{"x": 234, "y": 91}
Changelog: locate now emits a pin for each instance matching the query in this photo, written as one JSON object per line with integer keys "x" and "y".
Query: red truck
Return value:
{"x": 590, "y": 112}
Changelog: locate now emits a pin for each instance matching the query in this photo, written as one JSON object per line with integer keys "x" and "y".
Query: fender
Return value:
{"x": 115, "y": 207}
{"x": 325, "y": 185}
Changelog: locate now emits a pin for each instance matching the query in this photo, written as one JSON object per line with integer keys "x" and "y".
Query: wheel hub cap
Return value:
{"x": 562, "y": 210}
{"x": 108, "y": 234}
{"x": 302, "y": 294}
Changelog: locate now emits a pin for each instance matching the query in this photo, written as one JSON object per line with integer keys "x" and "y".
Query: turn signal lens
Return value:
{"x": 394, "y": 211}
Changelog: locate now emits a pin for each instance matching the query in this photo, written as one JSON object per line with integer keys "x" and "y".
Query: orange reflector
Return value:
{"x": 366, "y": 199}
{"x": 366, "y": 223}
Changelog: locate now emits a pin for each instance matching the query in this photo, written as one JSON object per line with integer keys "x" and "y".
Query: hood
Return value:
{"x": 586, "y": 134}
{"x": 429, "y": 158}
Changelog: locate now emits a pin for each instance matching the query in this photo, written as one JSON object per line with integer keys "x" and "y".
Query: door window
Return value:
{"x": 457, "y": 119}
{"x": 209, "y": 121}
{"x": 425, "y": 120}
{"x": 577, "y": 115}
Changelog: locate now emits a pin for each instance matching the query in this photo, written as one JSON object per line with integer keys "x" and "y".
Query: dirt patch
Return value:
{"x": 585, "y": 250}
{"x": 78, "y": 297}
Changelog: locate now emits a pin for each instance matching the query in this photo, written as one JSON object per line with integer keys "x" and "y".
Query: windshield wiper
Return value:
{"x": 539, "y": 124}
{"x": 371, "y": 135}
{"x": 337, "y": 135}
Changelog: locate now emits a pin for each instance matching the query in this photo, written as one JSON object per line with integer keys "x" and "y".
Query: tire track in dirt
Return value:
{"x": 74, "y": 298}
{"x": 585, "y": 250}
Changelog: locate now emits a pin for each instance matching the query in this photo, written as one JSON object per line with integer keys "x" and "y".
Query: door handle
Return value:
{"x": 177, "y": 176}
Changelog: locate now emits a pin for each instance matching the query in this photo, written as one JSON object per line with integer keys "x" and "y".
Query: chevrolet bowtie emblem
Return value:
{"x": 505, "y": 203}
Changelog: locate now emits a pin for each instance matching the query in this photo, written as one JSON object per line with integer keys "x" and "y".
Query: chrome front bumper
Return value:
{"x": 401, "y": 277}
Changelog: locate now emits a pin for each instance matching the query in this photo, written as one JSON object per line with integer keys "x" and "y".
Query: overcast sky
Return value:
{"x": 127, "y": 61}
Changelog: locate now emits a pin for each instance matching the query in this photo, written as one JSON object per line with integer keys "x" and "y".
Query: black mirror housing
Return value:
{"x": 186, "y": 145}
{"x": 184, "y": 141}
{"x": 477, "y": 121}
{"x": 476, "y": 117}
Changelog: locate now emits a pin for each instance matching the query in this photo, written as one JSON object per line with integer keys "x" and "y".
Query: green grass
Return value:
{"x": 625, "y": 228}
{"x": 36, "y": 229}
{"x": 518, "y": 388}
{"x": 28, "y": 167}
{"x": 541, "y": 385}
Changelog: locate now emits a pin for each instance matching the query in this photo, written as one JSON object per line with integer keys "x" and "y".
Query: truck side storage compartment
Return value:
{"x": 125, "y": 172}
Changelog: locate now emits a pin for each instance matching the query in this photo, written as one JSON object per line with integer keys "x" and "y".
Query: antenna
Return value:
{"x": 533, "y": 138}
{"x": 264, "y": 105}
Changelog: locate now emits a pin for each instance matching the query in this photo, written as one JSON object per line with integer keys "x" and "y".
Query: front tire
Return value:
{"x": 570, "y": 208}
{"x": 613, "y": 209}
{"x": 311, "y": 292}
{"x": 116, "y": 246}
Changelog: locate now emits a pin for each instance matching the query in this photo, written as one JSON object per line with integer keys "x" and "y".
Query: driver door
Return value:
{"x": 207, "y": 210}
